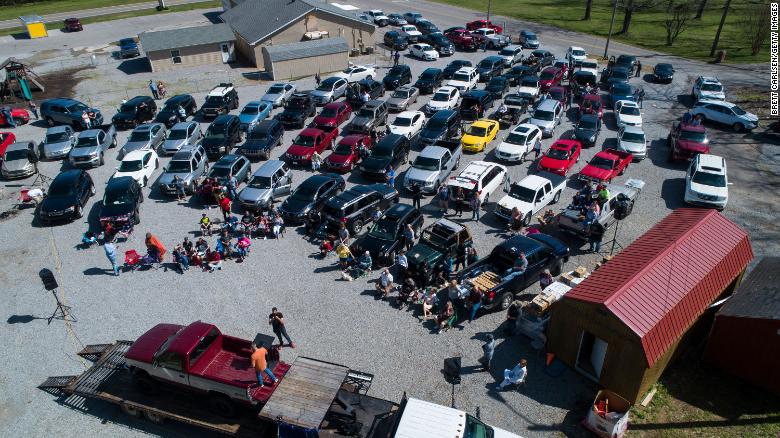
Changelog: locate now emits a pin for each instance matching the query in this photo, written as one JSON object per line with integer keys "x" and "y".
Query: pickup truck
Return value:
{"x": 433, "y": 165}
{"x": 91, "y": 145}
{"x": 541, "y": 251}
{"x": 531, "y": 195}
{"x": 571, "y": 219}
{"x": 606, "y": 165}
{"x": 686, "y": 141}
{"x": 201, "y": 358}
{"x": 490, "y": 38}
{"x": 436, "y": 241}
{"x": 309, "y": 141}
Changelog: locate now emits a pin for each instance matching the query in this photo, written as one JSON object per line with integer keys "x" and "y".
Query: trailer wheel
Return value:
{"x": 222, "y": 405}
{"x": 154, "y": 418}
{"x": 130, "y": 411}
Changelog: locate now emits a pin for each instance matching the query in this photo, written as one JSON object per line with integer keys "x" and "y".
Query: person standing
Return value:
{"x": 416, "y": 194}
{"x": 276, "y": 319}
{"x": 476, "y": 204}
{"x": 232, "y": 182}
{"x": 638, "y": 68}
{"x": 224, "y": 205}
{"x": 443, "y": 197}
{"x": 260, "y": 364}
{"x": 475, "y": 302}
{"x": 458, "y": 198}
{"x": 403, "y": 264}
{"x": 390, "y": 176}
{"x": 317, "y": 78}
{"x": 512, "y": 314}
{"x": 545, "y": 279}
{"x": 110, "y": 250}
{"x": 595, "y": 236}
{"x": 396, "y": 57}
{"x": 515, "y": 376}
{"x": 537, "y": 149}
{"x": 85, "y": 119}
{"x": 34, "y": 110}
{"x": 408, "y": 234}
{"x": 488, "y": 349}
{"x": 153, "y": 89}
{"x": 178, "y": 183}
{"x": 316, "y": 161}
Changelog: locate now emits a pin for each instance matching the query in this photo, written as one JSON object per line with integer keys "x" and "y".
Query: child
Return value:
{"x": 205, "y": 225}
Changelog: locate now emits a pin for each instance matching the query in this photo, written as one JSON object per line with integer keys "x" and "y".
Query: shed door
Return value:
{"x": 598, "y": 355}
{"x": 590, "y": 358}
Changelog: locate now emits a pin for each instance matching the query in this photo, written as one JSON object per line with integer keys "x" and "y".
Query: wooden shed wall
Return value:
{"x": 206, "y": 54}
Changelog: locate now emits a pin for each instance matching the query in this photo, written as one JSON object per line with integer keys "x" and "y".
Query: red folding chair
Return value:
{"x": 132, "y": 260}
{"x": 25, "y": 198}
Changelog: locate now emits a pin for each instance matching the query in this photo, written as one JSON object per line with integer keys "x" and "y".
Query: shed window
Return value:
{"x": 176, "y": 56}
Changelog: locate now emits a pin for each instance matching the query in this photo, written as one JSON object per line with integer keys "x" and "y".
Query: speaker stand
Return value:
{"x": 41, "y": 179}
{"x": 614, "y": 242}
{"x": 452, "y": 403}
{"x": 61, "y": 312}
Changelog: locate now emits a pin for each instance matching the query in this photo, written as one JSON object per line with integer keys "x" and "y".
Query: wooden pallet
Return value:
{"x": 485, "y": 281}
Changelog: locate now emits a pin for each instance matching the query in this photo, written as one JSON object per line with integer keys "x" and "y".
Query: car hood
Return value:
{"x": 253, "y": 195}
{"x": 400, "y": 130}
{"x": 693, "y": 146}
{"x": 300, "y": 150}
{"x": 438, "y": 105}
{"x": 321, "y": 93}
{"x": 596, "y": 172}
{"x": 501, "y": 433}
{"x": 257, "y": 144}
{"x": 296, "y": 206}
{"x": 422, "y": 252}
{"x": 271, "y": 98}
{"x": 339, "y": 158}
{"x": 248, "y": 119}
{"x": 632, "y": 147}
{"x": 124, "y": 116}
{"x": 511, "y": 148}
{"x": 57, "y": 147}
{"x": 553, "y": 163}
{"x": 471, "y": 139}
{"x": 290, "y": 114}
{"x": 527, "y": 91}
{"x": 375, "y": 163}
{"x": 708, "y": 190}
{"x": 509, "y": 203}
{"x": 57, "y": 203}
{"x": 431, "y": 135}
{"x": 417, "y": 174}
{"x": 83, "y": 151}
{"x": 110, "y": 211}
{"x": 629, "y": 119}
{"x": 167, "y": 177}
{"x": 374, "y": 245}
{"x": 16, "y": 165}
{"x": 362, "y": 121}
{"x": 397, "y": 101}
{"x": 715, "y": 95}
{"x": 134, "y": 146}
{"x": 544, "y": 124}
{"x": 584, "y": 134}
{"x": 174, "y": 145}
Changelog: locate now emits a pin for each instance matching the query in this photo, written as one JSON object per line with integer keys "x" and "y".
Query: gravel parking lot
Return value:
{"x": 329, "y": 319}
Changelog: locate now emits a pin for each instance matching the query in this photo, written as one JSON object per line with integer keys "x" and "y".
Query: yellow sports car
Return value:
{"x": 477, "y": 136}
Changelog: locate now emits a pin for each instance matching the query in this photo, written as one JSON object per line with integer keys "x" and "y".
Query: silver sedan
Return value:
{"x": 402, "y": 97}
{"x": 148, "y": 136}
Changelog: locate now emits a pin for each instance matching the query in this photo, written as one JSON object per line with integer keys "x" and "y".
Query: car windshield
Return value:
{"x": 477, "y": 131}
{"x": 496, "y": 82}
{"x": 584, "y": 79}
{"x": 329, "y": 112}
{"x": 402, "y": 121}
{"x": 304, "y": 140}
{"x": 435, "y": 125}
{"x": 711, "y": 87}
{"x": 214, "y": 100}
{"x": 396, "y": 71}
{"x": 295, "y": 103}
{"x": 260, "y": 182}
{"x": 590, "y": 65}
{"x": 117, "y": 197}
{"x": 139, "y": 136}
{"x": 220, "y": 172}
{"x": 547, "y": 75}
{"x": 462, "y": 77}
{"x": 441, "y": 97}
{"x": 130, "y": 166}
{"x": 738, "y": 111}
{"x": 216, "y": 134}
{"x": 127, "y": 108}
{"x": 530, "y": 36}
{"x": 515, "y": 138}
{"x": 558, "y": 154}
{"x": 402, "y": 94}
{"x": 709, "y": 179}
{"x": 533, "y": 83}
{"x": 698, "y": 137}
{"x": 57, "y": 137}
{"x": 522, "y": 193}
{"x": 258, "y": 134}
{"x": 589, "y": 124}
{"x": 507, "y": 52}
{"x": 328, "y": 84}
{"x": 633, "y": 137}
{"x": 629, "y": 110}
{"x": 578, "y": 52}
{"x": 343, "y": 149}
{"x": 385, "y": 228}
{"x": 77, "y": 108}
{"x": 557, "y": 94}
{"x": 544, "y": 115}
{"x": 250, "y": 110}
{"x": 276, "y": 89}
{"x": 366, "y": 112}
{"x": 382, "y": 152}
{"x": 620, "y": 74}
{"x": 177, "y": 134}
{"x": 621, "y": 89}
{"x": 426, "y": 163}
{"x": 485, "y": 63}
{"x": 428, "y": 75}
{"x": 348, "y": 70}
{"x": 601, "y": 163}
{"x": 304, "y": 192}
{"x": 17, "y": 154}
{"x": 84, "y": 142}
{"x": 178, "y": 166}
{"x": 61, "y": 189}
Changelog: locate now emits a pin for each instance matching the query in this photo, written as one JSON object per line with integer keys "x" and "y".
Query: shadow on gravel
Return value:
{"x": 672, "y": 191}
{"x": 98, "y": 271}
{"x": 22, "y": 319}
{"x": 134, "y": 65}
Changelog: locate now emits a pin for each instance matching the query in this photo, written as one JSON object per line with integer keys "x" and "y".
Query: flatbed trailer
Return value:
{"x": 339, "y": 408}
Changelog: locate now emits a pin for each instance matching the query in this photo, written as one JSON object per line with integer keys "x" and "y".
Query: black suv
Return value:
{"x": 220, "y": 100}
{"x": 542, "y": 58}
{"x": 355, "y": 91}
{"x": 429, "y": 80}
{"x": 454, "y": 66}
{"x": 298, "y": 108}
{"x": 170, "y": 115}
{"x": 121, "y": 201}
{"x": 490, "y": 67}
{"x": 261, "y": 139}
{"x": 391, "y": 151}
{"x": 355, "y": 206}
{"x": 67, "y": 195}
{"x": 386, "y": 237}
{"x": 370, "y": 116}
{"x": 439, "y": 42}
{"x": 395, "y": 41}
{"x": 397, "y": 76}
{"x": 221, "y": 136}
{"x": 135, "y": 111}
{"x": 516, "y": 73}
{"x": 474, "y": 104}
{"x": 426, "y": 27}
{"x": 497, "y": 86}
{"x": 310, "y": 196}
{"x": 443, "y": 125}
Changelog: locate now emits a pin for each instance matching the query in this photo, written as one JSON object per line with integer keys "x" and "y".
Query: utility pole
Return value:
{"x": 611, "y": 24}
{"x": 720, "y": 27}
{"x": 490, "y": 3}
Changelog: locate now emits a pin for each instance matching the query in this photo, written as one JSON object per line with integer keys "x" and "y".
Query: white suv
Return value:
{"x": 465, "y": 79}
{"x": 519, "y": 142}
{"x": 725, "y": 113}
{"x": 706, "y": 183}
{"x": 576, "y": 55}
{"x": 482, "y": 176}
{"x": 707, "y": 88}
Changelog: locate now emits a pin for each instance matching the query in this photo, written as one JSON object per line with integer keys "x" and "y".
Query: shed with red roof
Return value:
{"x": 623, "y": 324}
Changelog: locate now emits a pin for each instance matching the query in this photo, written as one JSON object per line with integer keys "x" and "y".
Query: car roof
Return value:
{"x": 58, "y": 129}
{"x": 269, "y": 168}
{"x": 478, "y": 168}
{"x": 564, "y": 144}
{"x": 493, "y": 58}
{"x": 548, "y": 104}
{"x": 633, "y": 129}
{"x": 465, "y": 70}
{"x": 145, "y": 127}
{"x": 576, "y": 48}
{"x": 351, "y": 195}
{"x": 138, "y": 99}
{"x": 590, "y": 117}
{"x": 266, "y": 124}
{"x": 710, "y": 79}
{"x": 532, "y": 181}
{"x": 476, "y": 93}
{"x": 184, "y": 154}
{"x": 711, "y": 163}
{"x": 373, "y": 103}
{"x": 318, "y": 180}
{"x": 446, "y": 89}
{"x": 692, "y": 127}
{"x": 431, "y": 70}
{"x": 550, "y": 69}
{"x": 120, "y": 183}
{"x": 221, "y": 90}
{"x": 716, "y": 102}
{"x": 177, "y": 98}
{"x": 523, "y": 128}
{"x": 62, "y": 101}
{"x": 228, "y": 159}
{"x": 18, "y": 146}
{"x": 183, "y": 125}
{"x": 409, "y": 113}
{"x": 223, "y": 119}
{"x": 483, "y": 123}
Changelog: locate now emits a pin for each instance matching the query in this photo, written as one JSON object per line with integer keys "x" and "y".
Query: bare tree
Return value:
{"x": 755, "y": 25}
{"x": 631, "y": 6}
{"x": 588, "y": 6}
{"x": 700, "y": 10}
{"x": 677, "y": 19}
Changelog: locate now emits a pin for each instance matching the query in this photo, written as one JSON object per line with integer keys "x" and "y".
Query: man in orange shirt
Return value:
{"x": 260, "y": 364}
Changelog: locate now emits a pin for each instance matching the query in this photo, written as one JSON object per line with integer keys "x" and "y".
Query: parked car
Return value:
{"x": 591, "y": 104}
{"x": 310, "y": 140}
{"x": 72, "y": 25}
{"x": 183, "y": 135}
{"x": 517, "y": 72}
{"x": 253, "y": 113}
{"x": 145, "y": 137}
{"x": 497, "y": 86}
{"x": 587, "y": 130}
{"x": 65, "y": 111}
{"x": 19, "y": 160}
{"x": 627, "y": 113}
{"x": 559, "y": 93}
{"x": 627, "y": 61}
{"x": 410, "y": 32}
{"x": 490, "y": 39}
{"x": 481, "y": 24}
{"x": 139, "y": 165}
{"x": 542, "y": 58}
{"x": 222, "y": 135}
{"x": 270, "y": 182}
{"x": 278, "y": 94}
{"x": 475, "y": 104}
{"x": 189, "y": 165}
{"x": 511, "y": 55}
{"x": 433, "y": 166}
{"x": 121, "y": 202}
{"x": 91, "y": 146}
{"x": 423, "y": 51}
{"x": 391, "y": 151}
{"x": 20, "y": 116}
{"x": 706, "y": 182}
{"x": 396, "y": 19}
{"x": 444, "y": 98}
{"x": 261, "y": 140}
{"x": 465, "y": 79}
{"x": 550, "y": 77}
{"x": 348, "y": 153}
{"x": 615, "y": 75}
{"x": 357, "y": 73}
{"x": 354, "y": 207}
{"x": 462, "y": 39}
{"x": 583, "y": 82}
{"x": 412, "y": 17}
{"x": 532, "y": 194}
{"x": 220, "y": 100}
{"x": 547, "y": 116}
{"x": 632, "y": 139}
{"x": 135, "y": 111}
{"x": 430, "y": 79}
{"x": 379, "y": 17}
{"x": 707, "y": 88}
{"x": 402, "y": 97}
{"x": 57, "y": 144}
{"x": 561, "y": 157}
{"x": 529, "y": 88}
{"x": 481, "y": 176}
{"x": 333, "y": 115}
{"x": 576, "y": 55}
{"x": 310, "y": 196}
{"x": 329, "y": 90}
{"x": 686, "y": 141}
{"x": 443, "y": 125}
{"x": 374, "y": 89}
{"x": 369, "y": 117}
{"x": 397, "y": 76}
{"x": 479, "y": 134}
{"x": 519, "y": 142}
{"x": 436, "y": 242}
{"x": 621, "y": 91}
{"x": 725, "y": 113}
{"x": 590, "y": 66}
{"x": 67, "y": 196}
{"x": 663, "y": 73}
{"x": 438, "y": 41}
{"x": 454, "y": 66}
{"x": 490, "y": 67}
{"x": 171, "y": 112}
{"x": 297, "y": 109}
{"x": 386, "y": 239}
{"x": 426, "y": 27}
{"x": 231, "y": 165}
{"x": 529, "y": 40}
{"x": 395, "y": 41}
{"x": 605, "y": 166}
{"x": 128, "y": 48}
{"x": 570, "y": 219}
{"x": 407, "y": 123}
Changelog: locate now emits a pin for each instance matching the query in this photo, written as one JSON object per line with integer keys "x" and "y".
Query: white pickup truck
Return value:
{"x": 531, "y": 195}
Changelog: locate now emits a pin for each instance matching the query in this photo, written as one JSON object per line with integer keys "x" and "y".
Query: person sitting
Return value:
{"x": 205, "y": 225}
{"x": 471, "y": 255}
{"x": 188, "y": 246}
{"x": 365, "y": 262}
{"x": 153, "y": 255}
{"x": 232, "y": 224}
{"x": 547, "y": 218}
{"x": 429, "y": 302}
{"x": 515, "y": 221}
{"x": 502, "y": 109}
{"x": 445, "y": 318}
{"x": 242, "y": 247}
{"x": 264, "y": 225}
{"x": 603, "y": 195}
{"x": 213, "y": 260}
{"x": 515, "y": 376}
{"x": 278, "y": 226}
{"x": 326, "y": 247}
{"x": 385, "y": 283}
{"x": 181, "y": 259}
{"x": 376, "y": 214}
{"x": 248, "y": 219}
{"x": 408, "y": 290}
{"x": 519, "y": 267}
{"x": 224, "y": 245}
{"x": 591, "y": 215}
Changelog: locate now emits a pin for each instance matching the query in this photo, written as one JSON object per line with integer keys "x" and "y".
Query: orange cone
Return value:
{"x": 550, "y": 357}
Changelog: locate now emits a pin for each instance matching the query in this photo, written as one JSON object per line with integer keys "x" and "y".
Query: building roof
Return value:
{"x": 186, "y": 37}
{"x": 256, "y": 20}
{"x": 661, "y": 283}
{"x": 759, "y": 295}
{"x": 306, "y": 49}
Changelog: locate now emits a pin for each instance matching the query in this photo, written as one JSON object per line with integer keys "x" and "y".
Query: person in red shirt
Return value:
{"x": 213, "y": 260}
{"x": 260, "y": 364}
{"x": 224, "y": 204}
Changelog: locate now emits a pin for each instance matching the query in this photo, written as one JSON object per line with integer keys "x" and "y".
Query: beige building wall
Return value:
{"x": 246, "y": 52}
{"x": 296, "y": 68}
{"x": 190, "y": 56}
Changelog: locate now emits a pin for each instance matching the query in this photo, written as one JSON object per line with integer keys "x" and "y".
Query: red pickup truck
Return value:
{"x": 309, "y": 141}
{"x": 686, "y": 141}
{"x": 201, "y": 358}
{"x": 462, "y": 39}
{"x": 479, "y": 24}
{"x": 606, "y": 165}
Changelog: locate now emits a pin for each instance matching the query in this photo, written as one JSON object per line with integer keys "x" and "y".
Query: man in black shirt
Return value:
{"x": 276, "y": 319}
{"x": 416, "y": 194}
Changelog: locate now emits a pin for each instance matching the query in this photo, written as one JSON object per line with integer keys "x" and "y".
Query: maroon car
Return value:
{"x": 591, "y": 104}
{"x": 462, "y": 39}
{"x": 333, "y": 115}
{"x": 310, "y": 140}
{"x": 550, "y": 77}
{"x": 347, "y": 153}
{"x": 686, "y": 141}
{"x": 480, "y": 24}
{"x": 559, "y": 93}
{"x": 73, "y": 25}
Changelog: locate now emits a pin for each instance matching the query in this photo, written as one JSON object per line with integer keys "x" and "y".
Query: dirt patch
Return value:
{"x": 9, "y": 214}
{"x": 752, "y": 99}
{"x": 60, "y": 83}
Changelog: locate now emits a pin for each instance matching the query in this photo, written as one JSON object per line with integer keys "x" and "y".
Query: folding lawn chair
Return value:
{"x": 132, "y": 260}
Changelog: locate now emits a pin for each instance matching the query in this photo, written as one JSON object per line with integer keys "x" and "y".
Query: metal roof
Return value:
{"x": 661, "y": 283}
{"x": 759, "y": 295}
{"x": 306, "y": 49}
{"x": 186, "y": 37}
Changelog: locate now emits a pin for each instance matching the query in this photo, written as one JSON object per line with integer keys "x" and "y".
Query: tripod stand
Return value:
{"x": 61, "y": 312}
{"x": 41, "y": 179}
{"x": 614, "y": 240}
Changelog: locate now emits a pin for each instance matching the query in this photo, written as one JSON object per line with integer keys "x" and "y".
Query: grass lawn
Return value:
{"x": 55, "y": 6}
{"x": 647, "y": 27}
{"x": 144, "y": 12}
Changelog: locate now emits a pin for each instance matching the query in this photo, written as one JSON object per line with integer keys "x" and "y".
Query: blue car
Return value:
{"x": 128, "y": 48}
{"x": 621, "y": 91}
{"x": 254, "y": 112}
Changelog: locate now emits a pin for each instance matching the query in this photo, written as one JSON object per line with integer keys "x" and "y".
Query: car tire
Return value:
{"x": 738, "y": 127}
{"x": 92, "y": 190}
{"x": 527, "y": 220}
{"x": 506, "y": 300}
{"x": 356, "y": 227}
{"x": 49, "y": 122}
{"x": 222, "y": 405}
{"x": 78, "y": 212}
{"x": 557, "y": 197}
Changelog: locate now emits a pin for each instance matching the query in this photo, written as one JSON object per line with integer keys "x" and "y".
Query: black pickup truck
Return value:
{"x": 437, "y": 241}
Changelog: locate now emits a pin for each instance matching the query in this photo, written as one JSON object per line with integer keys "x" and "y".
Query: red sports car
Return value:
{"x": 550, "y": 77}
{"x": 333, "y": 115}
{"x": 346, "y": 154}
{"x": 561, "y": 157}
{"x": 479, "y": 24}
{"x": 6, "y": 139}
{"x": 20, "y": 115}
{"x": 591, "y": 104}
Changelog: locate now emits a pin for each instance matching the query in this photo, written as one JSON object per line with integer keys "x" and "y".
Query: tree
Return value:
{"x": 755, "y": 25}
{"x": 631, "y": 6}
{"x": 677, "y": 19}
{"x": 702, "y": 5}
{"x": 588, "y": 6}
